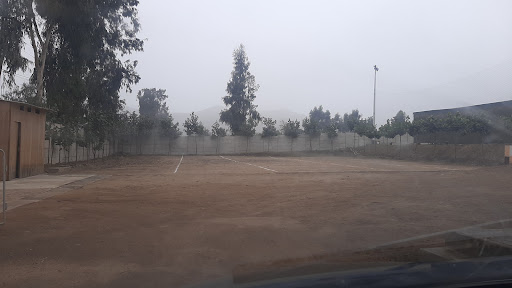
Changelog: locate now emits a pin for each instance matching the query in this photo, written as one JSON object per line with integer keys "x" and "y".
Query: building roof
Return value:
{"x": 26, "y": 104}
{"x": 480, "y": 107}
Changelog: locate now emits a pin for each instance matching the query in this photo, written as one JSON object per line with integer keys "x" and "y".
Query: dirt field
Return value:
{"x": 147, "y": 226}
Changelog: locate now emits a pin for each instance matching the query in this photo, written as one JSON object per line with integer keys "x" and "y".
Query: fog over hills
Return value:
{"x": 493, "y": 84}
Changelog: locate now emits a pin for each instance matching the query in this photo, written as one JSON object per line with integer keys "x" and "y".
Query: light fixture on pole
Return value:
{"x": 374, "y": 91}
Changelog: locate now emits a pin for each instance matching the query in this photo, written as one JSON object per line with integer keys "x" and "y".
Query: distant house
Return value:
{"x": 22, "y": 129}
{"x": 494, "y": 112}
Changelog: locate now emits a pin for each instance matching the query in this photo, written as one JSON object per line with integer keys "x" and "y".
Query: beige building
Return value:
{"x": 22, "y": 129}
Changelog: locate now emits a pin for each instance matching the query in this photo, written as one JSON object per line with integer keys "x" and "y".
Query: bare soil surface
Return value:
{"x": 147, "y": 226}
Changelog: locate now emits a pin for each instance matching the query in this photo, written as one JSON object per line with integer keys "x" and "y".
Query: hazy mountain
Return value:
{"x": 490, "y": 85}
{"x": 207, "y": 116}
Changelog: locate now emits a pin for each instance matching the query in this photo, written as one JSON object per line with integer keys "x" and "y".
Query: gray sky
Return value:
{"x": 431, "y": 54}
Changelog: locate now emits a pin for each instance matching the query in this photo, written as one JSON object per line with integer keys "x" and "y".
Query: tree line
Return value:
{"x": 75, "y": 50}
{"x": 78, "y": 74}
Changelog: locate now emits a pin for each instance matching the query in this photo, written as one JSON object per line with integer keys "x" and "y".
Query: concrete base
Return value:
{"x": 28, "y": 190}
{"x": 58, "y": 169}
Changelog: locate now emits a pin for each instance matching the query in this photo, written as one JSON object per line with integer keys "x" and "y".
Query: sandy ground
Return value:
{"x": 147, "y": 226}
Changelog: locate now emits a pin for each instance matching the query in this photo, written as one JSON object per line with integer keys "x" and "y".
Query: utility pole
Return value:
{"x": 374, "y": 91}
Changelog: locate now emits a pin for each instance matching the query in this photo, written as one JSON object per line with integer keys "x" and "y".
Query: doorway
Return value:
{"x": 18, "y": 151}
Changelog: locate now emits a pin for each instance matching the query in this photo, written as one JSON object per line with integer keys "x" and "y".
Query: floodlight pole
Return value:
{"x": 374, "y": 91}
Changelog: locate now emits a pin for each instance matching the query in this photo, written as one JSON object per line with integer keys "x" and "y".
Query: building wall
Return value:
{"x": 493, "y": 112}
{"x": 31, "y": 140}
{"x": 490, "y": 110}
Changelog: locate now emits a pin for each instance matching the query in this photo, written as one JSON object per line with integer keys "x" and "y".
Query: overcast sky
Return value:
{"x": 431, "y": 54}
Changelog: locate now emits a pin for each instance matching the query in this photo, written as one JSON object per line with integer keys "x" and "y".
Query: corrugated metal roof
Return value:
{"x": 479, "y": 106}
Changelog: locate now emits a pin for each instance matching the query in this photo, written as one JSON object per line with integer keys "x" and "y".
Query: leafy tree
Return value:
{"x": 332, "y": 132}
{"x": 11, "y": 33}
{"x": 456, "y": 124}
{"x": 241, "y": 114}
{"x": 170, "y": 130}
{"x": 66, "y": 136}
{"x": 337, "y": 120}
{"x": 26, "y": 93}
{"x": 132, "y": 128}
{"x": 77, "y": 46}
{"x": 105, "y": 29}
{"x": 350, "y": 121}
{"x": 248, "y": 129}
{"x": 92, "y": 139}
{"x": 320, "y": 117}
{"x": 80, "y": 142}
{"x": 51, "y": 134}
{"x": 80, "y": 94}
{"x": 100, "y": 125}
{"x": 415, "y": 128}
{"x": 460, "y": 125}
{"x": 479, "y": 125}
{"x": 312, "y": 129}
{"x": 291, "y": 129}
{"x": 318, "y": 121}
{"x": 400, "y": 124}
{"x": 387, "y": 130}
{"x": 373, "y": 133}
{"x": 143, "y": 129}
{"x": 269, "y": 130}
{"x": 194, "y": 127}
{"x": 364, "y": 127}
{"x": 432, "y": 126}
{"x": 202, "y": 131}
{"x": 217, "y": 133}
{"x": 120, "y": 130}
{"x": 152, "y": 103}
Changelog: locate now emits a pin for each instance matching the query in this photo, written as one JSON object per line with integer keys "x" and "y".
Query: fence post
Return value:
{"x": 48, "y": 156}
{"x": 4, "y": 205}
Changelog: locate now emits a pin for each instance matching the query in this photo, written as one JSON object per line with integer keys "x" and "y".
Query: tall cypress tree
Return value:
{"x": 241, "y": 114}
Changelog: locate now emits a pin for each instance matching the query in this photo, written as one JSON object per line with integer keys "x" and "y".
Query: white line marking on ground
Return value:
{"x": 335, "y": 164}
{"x": 177, "y": 167}
{"x": 268, "y": 169}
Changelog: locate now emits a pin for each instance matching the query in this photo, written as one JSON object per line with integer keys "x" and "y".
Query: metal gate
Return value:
{"x": 4, "y": 205}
